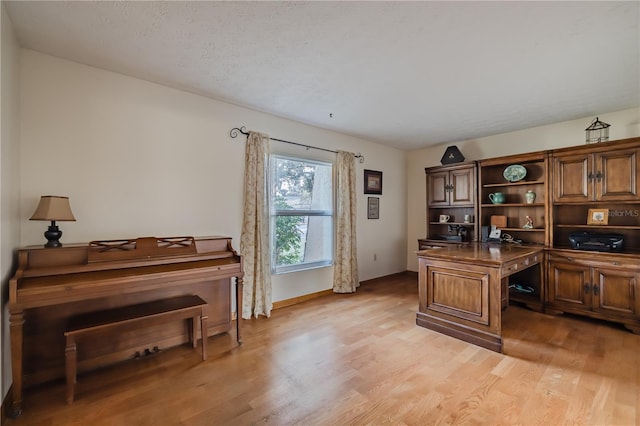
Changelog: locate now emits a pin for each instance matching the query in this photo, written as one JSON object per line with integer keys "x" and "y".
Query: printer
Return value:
{"x": 596, "y": 242}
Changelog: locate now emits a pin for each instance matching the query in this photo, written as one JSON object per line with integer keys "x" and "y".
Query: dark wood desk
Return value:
{"x": 463, "y": 288}
{"x": 52, "y": 285}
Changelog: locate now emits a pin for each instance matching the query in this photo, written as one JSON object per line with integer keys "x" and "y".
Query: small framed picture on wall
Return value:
{"x": 372, "y": 182}
{"x": 373, "y": 208}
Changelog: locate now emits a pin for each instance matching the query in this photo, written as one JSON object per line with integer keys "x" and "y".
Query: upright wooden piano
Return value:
{"x": 53, "y": 284}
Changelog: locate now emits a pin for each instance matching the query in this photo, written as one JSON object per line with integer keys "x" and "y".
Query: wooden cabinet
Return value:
{"x": 593, "y": 283}
{"x": 516, "y": 208}
{"x": 597, "y": 174}
{"x": 451, "y": 194}
{"x": 568, "y": 183}
{"x": 451, "y": 186}
{"x": 601, "y": 286}
{"x": 460, "y": 289}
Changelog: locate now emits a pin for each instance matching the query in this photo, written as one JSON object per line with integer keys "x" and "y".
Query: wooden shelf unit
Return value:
{"x": 515, "y": 207}
{"x": 596, "y": 176}
{"x": 567, "y": 182}
{"x": 451, "y": 190}
{"x": 591, "y": 283}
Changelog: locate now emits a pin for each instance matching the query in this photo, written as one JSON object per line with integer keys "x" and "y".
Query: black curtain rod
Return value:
{"x": 234, "y": 134}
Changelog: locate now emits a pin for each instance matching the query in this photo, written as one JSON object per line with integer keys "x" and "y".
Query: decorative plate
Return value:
{"x": 514, "y": 173}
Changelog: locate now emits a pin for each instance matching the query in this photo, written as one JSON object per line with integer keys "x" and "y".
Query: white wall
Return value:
{"x": 9, "y": 178}
{"x": 624, "y": 124}
{"x": 141, "y": 159}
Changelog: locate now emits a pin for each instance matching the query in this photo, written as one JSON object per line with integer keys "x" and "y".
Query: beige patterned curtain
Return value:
{"x": 254, "y": 241}
{"x": 345, "y": 270}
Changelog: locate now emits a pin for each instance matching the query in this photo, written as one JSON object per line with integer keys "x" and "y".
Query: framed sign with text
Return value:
{"x": 373, "y": 208}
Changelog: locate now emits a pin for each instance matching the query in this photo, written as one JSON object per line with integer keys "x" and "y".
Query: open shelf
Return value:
{"x": 452, "y": 223}
{"x": 527, "y": 280}
{"x": 523, "y": 229}
{"x": 520, "y": 183}
{"x": 513, "y": 205}
{"x": 624, "y": 219}
{"x": 515, "y": 208}
{"x": 597, "y": 227}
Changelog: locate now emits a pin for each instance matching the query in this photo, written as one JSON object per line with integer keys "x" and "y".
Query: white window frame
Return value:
{"x": 274, "y": 213}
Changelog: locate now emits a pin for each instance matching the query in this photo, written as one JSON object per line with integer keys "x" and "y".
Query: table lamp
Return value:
{"x": 52, "y": 207}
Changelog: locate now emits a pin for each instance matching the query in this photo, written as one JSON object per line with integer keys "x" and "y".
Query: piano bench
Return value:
{"x": 149, "y": 314}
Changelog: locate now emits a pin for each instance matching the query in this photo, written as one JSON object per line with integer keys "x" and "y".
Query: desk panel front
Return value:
{"x": 461, "y": 289}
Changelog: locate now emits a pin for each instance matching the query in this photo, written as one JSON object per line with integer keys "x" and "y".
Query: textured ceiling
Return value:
{"x": 406, "y": 74}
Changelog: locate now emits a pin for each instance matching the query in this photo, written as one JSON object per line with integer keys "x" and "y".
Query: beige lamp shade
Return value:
{"x": 54, "y": 208}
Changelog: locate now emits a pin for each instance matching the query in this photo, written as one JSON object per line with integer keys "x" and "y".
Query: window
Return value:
{"x": 301, "y": 214}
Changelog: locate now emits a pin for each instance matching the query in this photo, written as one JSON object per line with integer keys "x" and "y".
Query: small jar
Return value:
{"x": 530, "y": 196}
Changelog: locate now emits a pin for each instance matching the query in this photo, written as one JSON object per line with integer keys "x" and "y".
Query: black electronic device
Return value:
{"x": 452, "y": 155}
{"x": 596, "y": 242}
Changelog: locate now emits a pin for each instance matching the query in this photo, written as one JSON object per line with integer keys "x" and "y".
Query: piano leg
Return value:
{"x": 71, "y": 362}
{"x": 239, "y": 284}
{"x": 16, "y": 322}
{"x": 203, "y": 332}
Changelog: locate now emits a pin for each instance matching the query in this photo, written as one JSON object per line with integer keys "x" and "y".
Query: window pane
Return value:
{"x": 301, "y": 209}
{"x": 303, "y": 240}
{"x": 301, "y": 185}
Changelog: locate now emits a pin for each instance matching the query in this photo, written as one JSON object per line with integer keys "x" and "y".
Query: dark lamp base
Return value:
{"x": 53, "y": 235}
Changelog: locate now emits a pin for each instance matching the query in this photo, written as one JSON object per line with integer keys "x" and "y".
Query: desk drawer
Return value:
{"x": 594, "y": 259}
{"x": 520, "y": 264}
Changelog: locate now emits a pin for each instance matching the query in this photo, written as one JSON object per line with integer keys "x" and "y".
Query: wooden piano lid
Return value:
{"x": 140, "y": 248}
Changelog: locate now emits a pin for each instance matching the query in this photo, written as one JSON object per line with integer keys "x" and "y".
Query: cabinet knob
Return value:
{"x": 587, "y": 287}
{"x": 596, "y": 290}
{"x": 590, "y": 176}
{"x": 599, "y": 176}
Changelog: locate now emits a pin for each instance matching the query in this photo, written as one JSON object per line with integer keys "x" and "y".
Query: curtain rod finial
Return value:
{"x": 234, "y": 132}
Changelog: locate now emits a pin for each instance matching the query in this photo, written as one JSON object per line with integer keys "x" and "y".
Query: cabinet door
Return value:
{"x": 567, "y": 284}
{"x": 571, "y": 178}
{"x": 616, "y": 175}
{"x": 613, "y": 292}
{"x": 463, "y": 186}
{"x": 438, "y": 188}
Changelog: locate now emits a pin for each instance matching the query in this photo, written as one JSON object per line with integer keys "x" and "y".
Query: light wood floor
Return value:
{"x": 360, "y": 359}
